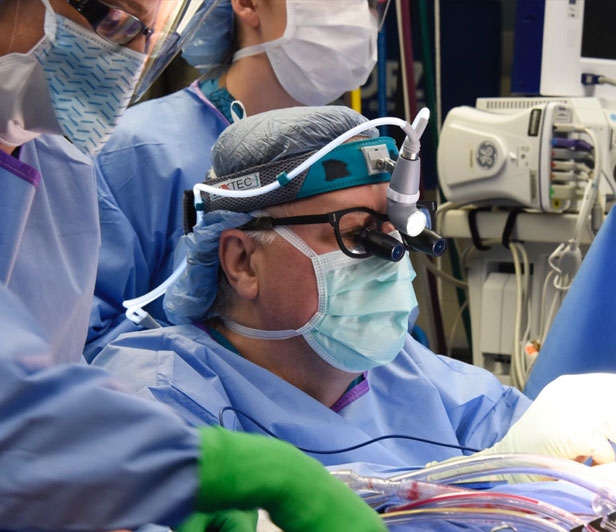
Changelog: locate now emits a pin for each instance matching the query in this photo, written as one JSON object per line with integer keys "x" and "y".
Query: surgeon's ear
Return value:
{"x": 246, "y": 11}
{"x": 235, "y": 252}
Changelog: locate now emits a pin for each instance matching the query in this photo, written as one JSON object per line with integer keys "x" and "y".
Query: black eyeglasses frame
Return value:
{"x": 332, "y": 218}
{"x": 95, "y": 11}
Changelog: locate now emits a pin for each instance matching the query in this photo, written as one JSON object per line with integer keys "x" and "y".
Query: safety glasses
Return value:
{"x": 111, "y": 23}
{"x": 358, "y": 231}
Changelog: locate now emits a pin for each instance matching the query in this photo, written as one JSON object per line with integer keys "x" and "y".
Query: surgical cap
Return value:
{"x": 264, "y": 148}
{"x": 189, "y": 298}
{"x": 212, "y": 45}
{"x": 267, "y": 143}
{"x": 280, "y": 134}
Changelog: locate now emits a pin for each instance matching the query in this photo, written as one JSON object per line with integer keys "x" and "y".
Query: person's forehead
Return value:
{"x": 372, "y": 196}
{"x": 138, "y": 8}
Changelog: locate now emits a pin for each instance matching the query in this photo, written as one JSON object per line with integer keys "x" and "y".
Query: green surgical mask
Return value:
{"x": 363, "y": 311}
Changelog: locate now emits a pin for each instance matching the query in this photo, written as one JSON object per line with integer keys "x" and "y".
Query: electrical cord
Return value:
{"x": 567, "y": 257}
{"x": 430, "y": 266}
{"x": 520, "y": 361}
{"x": 519, "y": 366}
{"x": 445, "y": 276}
{"x": 597, "y": 79}
{"x": 454, "y": 326}
{"x": 554, "y": 306}
{"x": 345, "y": 449}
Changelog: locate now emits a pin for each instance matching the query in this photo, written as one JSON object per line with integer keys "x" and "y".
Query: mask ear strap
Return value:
{"x": 295, "y": 241}
{"x": 255, "y": 49}
{"x": 260, "y": 334}
{"x": 240, "y": 107}
{"x": 50, "y": 20}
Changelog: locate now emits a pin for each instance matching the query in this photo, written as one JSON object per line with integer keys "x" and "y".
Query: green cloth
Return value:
{"x": 246, "y": 472}
{"x": 227, "y": 521}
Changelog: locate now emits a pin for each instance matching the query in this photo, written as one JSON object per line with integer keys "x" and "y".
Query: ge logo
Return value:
{"x": 486, "y": 155}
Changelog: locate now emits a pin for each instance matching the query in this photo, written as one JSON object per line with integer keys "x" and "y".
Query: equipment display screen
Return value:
{"x": 598, "y": 33}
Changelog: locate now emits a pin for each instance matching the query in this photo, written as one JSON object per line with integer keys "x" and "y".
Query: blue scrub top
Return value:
{"x": 76, "y": 452}
{"x": 50, "y": 238}
{"x": 419, "y": 394}
{"x": 160, "y": 149}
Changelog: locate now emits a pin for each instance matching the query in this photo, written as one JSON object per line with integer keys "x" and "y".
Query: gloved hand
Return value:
{"x": 246, "y": 472}
{"x": 225, "y": 521}
{"x": 573, "y": 417}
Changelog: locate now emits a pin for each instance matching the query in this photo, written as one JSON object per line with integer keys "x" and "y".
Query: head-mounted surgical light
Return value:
{"x": 402, "y": 197}
{"x": 403, "y": 191}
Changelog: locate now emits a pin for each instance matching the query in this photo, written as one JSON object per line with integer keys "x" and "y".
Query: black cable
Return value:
{"x": 346, "y": 449}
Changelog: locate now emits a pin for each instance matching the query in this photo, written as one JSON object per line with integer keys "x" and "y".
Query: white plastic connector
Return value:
{"x": 374, "y": 155}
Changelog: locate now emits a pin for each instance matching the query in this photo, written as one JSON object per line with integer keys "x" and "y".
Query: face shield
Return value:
{"x": 91, "y": 60}
{"x": 156, "y": 28}
{"x": 379, "y": 9}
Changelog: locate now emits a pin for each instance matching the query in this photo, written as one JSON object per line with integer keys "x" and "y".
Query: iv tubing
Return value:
{"x": 544, "y": 466}
{"x": 422, "y": 494}
{"x": 484, "y": 515}
{"x": 478, "y": 499}
{"x": 139, "y": 302}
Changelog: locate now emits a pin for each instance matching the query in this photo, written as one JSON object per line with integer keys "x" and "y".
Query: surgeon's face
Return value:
{"x": 21, "y": 21}
{"x": 289, "y": 284}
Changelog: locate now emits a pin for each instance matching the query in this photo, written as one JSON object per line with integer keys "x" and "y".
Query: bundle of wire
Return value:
{"x": 431, "y": 497}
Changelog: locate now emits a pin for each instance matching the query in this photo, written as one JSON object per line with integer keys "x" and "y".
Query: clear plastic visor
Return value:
{"x": 379, "y": 9}
{"x": 174, "y": 23}
{"x": 155, "y": 28}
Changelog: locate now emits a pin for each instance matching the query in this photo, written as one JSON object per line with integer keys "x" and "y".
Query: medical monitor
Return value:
{"x": 576, "y": 39}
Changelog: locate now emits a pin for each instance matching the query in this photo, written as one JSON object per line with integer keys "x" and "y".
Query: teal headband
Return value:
{"x": 349, "y": 165}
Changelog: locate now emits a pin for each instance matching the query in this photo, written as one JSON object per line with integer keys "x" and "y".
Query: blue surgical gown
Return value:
{"x": 49, "y": 250}
{"x": 160, "y": 148}
{"x": 76, "y": 452}
{"x": 582, "y": 338}
{"x": 420, "y": 394}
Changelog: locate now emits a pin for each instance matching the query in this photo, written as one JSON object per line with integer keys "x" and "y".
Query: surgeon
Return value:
{"x": 254, "y": 56}
{"x": 76, "y": 451}
{"x": 292, "y": 318}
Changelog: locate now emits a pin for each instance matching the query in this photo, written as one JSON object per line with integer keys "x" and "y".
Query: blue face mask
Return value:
{"x": 363, "y": 312}
{"x": 90, "y": 80}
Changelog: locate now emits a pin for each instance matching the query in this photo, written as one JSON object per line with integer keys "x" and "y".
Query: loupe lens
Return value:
{"x": 382, "y": 245}
{"x": 427, "y": 242}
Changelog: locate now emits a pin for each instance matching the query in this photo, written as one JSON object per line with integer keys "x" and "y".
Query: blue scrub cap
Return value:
{"x": 280, "y": 134}
{"x": 189, "y": 298}
{"x": 212, "y": 45}
{"x": 261, "y": 147}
